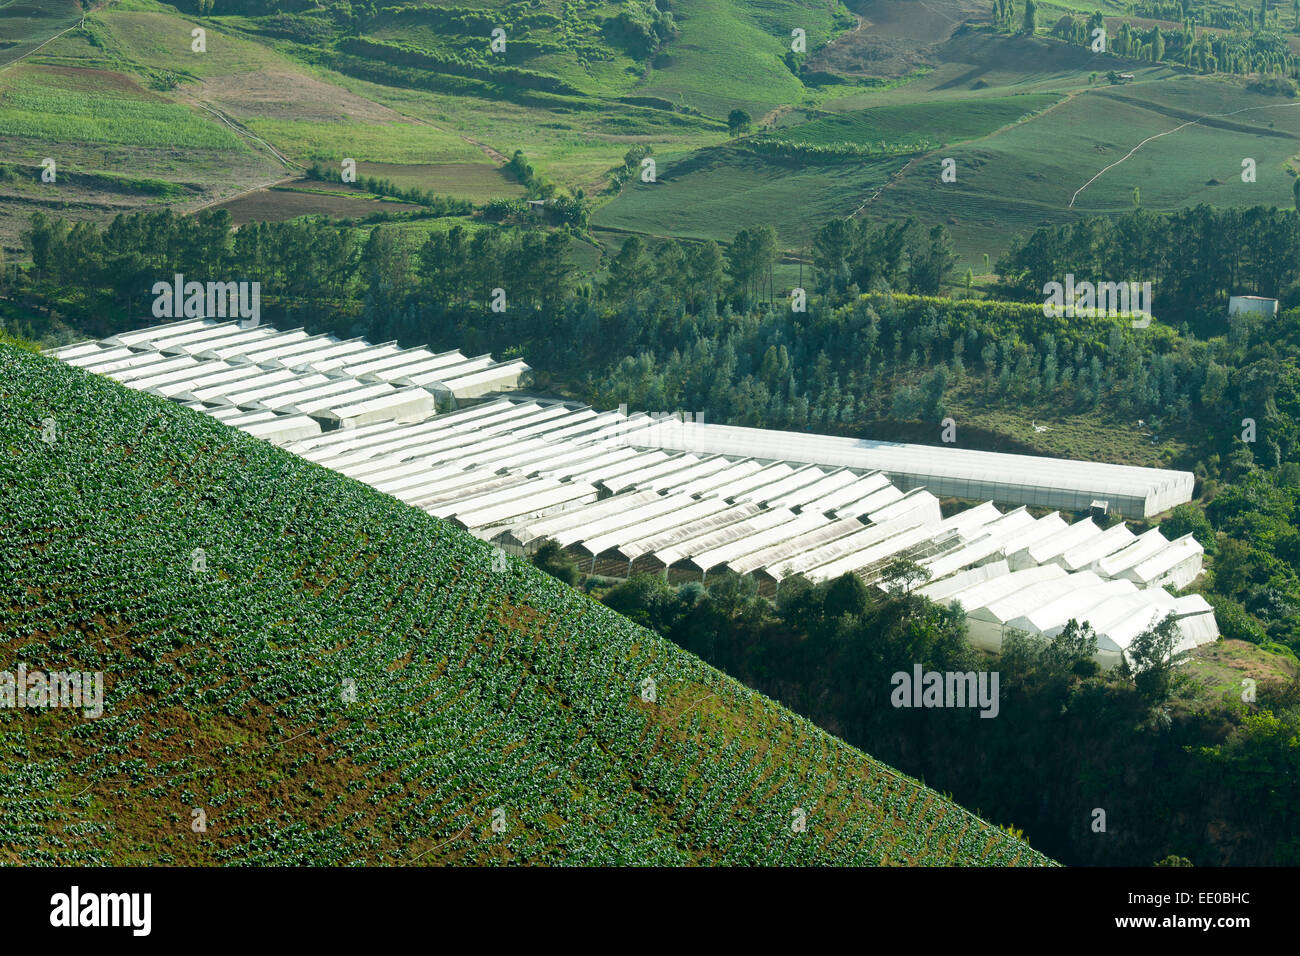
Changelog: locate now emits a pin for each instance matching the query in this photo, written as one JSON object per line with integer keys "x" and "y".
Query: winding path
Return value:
{"x": 77, "y": 26}
{"x": 1245, "y": 109}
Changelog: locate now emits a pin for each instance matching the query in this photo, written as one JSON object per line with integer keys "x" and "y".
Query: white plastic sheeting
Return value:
{"x": 948, "y": 472}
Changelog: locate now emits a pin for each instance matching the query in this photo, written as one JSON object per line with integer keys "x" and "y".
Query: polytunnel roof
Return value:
{"x": 686, "y": 495}
{"x": 928, "y": 464}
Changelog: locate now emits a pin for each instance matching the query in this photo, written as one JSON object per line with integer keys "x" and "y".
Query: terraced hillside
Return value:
{"x": 298, "y": 669}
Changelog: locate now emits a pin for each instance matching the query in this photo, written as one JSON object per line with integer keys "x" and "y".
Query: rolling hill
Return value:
{"x": 300, "y": 670}
{"x": 415, "y": 95}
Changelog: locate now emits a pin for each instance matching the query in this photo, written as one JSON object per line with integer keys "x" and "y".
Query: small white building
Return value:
{"x": 1252, "y": 305}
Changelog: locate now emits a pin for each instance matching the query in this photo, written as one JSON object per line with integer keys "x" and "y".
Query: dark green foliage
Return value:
{"x": 453, "y": 65}
{"x": 1151, "y": 654}
{"x": 903, "y": 575}
{"x": 1189, "y": 519}
{"x": 1195, "y": 258}
{"x": 738, "y": 121}
{"x": 550, "y": 557}
{"x": 846, "y": 595}
{"x": 641, "y": 27}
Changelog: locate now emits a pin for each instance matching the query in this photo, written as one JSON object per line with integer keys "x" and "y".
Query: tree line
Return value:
{"x": 1195, "y": 258}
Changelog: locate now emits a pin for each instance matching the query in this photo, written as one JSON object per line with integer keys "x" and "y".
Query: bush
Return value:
{"x": 550, "y": 557}
{"x": 1189, "y": 519}
{"x": 1274, "y": 86}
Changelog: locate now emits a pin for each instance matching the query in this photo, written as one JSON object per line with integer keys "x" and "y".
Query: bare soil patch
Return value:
{"x": 278, "y": 205}
{"x": 285, "y": 94}
{"x": 895, "y": 37}
{"x": 87, "y": 80}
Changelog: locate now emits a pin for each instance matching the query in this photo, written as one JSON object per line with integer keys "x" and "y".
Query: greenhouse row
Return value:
{"x": 321, "y": 377}
{"x": 634, "y": 493}
{"x": 954, "y": 472}
{"x": 519, "y": 471}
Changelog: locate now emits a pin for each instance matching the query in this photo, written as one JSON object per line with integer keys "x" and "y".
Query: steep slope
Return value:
{"x": 298, "y": 669}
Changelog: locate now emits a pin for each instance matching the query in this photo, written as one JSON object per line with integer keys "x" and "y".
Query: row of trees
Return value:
{"x": 440, "y": 205}
{"x": 1251, "y": 47}
{"x": 871, "y": 256}
{"x": 1195, "y": 258}
{"x": 696, "y": 326}
{"x": 100, "y": 273}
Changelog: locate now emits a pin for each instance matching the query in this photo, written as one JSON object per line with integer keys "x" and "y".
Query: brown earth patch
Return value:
{"x": 895, "y": 37}
{"x": 285, "y": 94}
{"x": 87, "y": 80}
{"x": 278, "y": 205}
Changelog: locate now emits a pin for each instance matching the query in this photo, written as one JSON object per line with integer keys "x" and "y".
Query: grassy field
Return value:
{"x": 563, "y": 39}
{"x": 1094, "y": 436}
{"x": 713, "y": 195}
{"x": 393, "y": 143}
{"x": 134, "y": 54}
{"x": 1027, "y": 175}
{"x": 106, "y": 131}
{"x": 577, "y": 147}
{"x": 54, "y": 106}
{"x": 477, "y": 182}
{"x": 1027, "y": 120}
{"x": 331, "y": 677}
{"x": 1220, "y": 667}
{"x": 277, "y": 204}
{"x": 942, "y": 121}
{"x": 159, "y": 39}
{"x": 730, "y": 55}
{"x": 25, "y": 25}
{"x": 975, "y": 65}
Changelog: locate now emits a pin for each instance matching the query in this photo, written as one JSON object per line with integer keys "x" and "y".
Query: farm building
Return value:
{"x": 635, "y": 493}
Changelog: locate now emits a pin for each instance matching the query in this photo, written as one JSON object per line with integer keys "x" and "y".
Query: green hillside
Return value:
{"x": 856, "y": 124}
{"x": 26, "y": 24}
{"x": 337, "y": 678}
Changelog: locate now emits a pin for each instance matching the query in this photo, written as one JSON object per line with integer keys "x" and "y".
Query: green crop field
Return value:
{"x": 574, "y": 146}
{"x": 415, "y": 94}
{"x": 713, "y": 195}
{"x": 36, "y": 105}
{"x": 1027, "y": 175}
{"x": 329, "y": 677}
{"x": 397, "y": 143}
{"x": 940, "y": 122}
{"x": 156, "y": 37}
{"x": 730, "y": 55}
{"x": 25, "y": 25}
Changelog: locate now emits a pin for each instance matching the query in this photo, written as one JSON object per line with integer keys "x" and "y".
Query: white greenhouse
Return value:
{"x": 627, "y": 494}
